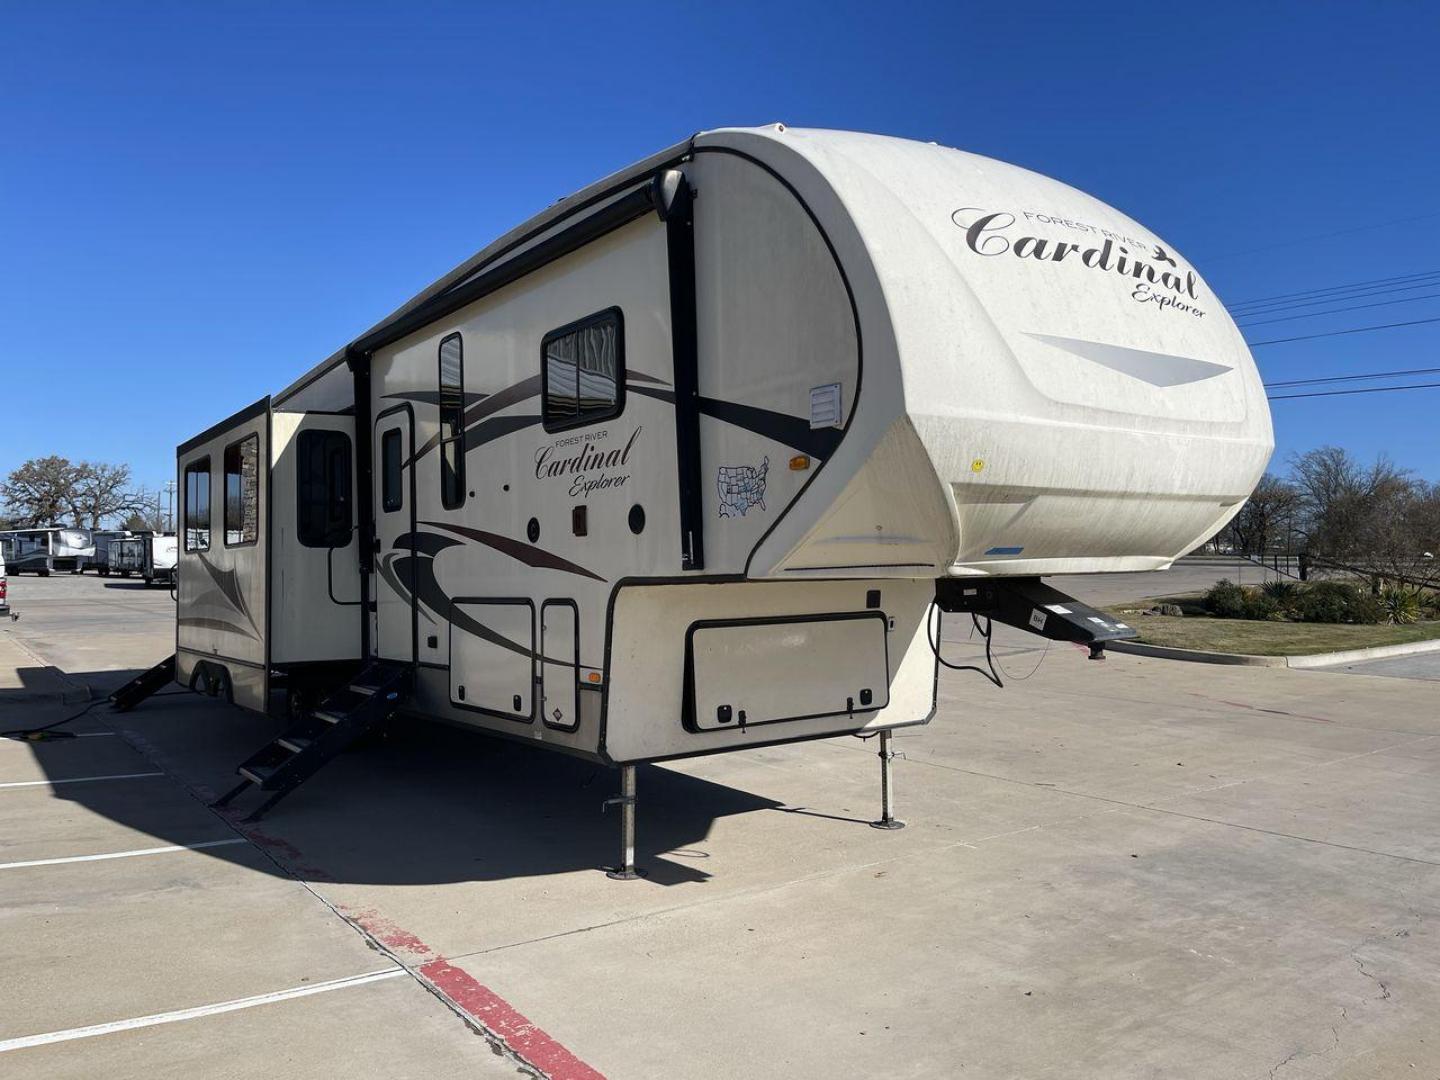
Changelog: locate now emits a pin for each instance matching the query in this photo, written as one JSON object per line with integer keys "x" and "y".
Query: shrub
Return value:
{"x": 1337, "y": 602}
{"x": 1402, "y": 605}
{"x": 1260, "y": 606}
{"x": 1225, "y": 600}
{"x": 1281, "y": 591}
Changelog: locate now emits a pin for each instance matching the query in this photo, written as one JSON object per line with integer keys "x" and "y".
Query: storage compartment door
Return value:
{"x": 743, "y": 673}
{"x": 492, "y": 657}
{"x": 559, "y": 665}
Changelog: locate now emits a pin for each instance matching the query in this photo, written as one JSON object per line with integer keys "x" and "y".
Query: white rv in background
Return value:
{"x": 39, "y": 551}
{"x": 688, "y": 462}
{"x": 151, "y": 555}
{"x": 158, "y": 558}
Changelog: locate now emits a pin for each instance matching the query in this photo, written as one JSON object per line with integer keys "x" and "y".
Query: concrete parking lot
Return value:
{"x": 1135, "y": 868}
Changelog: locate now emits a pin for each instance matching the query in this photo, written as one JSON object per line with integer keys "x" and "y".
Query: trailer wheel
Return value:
{"x": 44, "y": 573}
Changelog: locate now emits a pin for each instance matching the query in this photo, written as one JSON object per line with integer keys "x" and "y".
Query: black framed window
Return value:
{"x": 242, "y": 491}
{"x": 452, "y": 422}
{"x": 323, "y": 510}
{"x": 197, "y": 505}
{"x": 392, "y": 495}
{"x": 583, "y": 370}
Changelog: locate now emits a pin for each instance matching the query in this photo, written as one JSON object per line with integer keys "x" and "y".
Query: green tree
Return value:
{"x": 41, "y": 492}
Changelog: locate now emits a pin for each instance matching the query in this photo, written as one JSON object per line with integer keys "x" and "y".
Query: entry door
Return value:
{"x": 393, "y": 627}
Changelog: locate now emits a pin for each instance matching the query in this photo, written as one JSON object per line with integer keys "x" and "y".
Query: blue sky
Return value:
{"x": 199, "y": 201}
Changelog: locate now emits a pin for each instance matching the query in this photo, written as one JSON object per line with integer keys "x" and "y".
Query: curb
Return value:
{"x": 69, "y": 692}
{"x": 1311, "y": 660}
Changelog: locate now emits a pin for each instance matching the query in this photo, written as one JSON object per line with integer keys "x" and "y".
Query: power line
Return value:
{"x": 1336, "y": 311}
{"x": 1333, "y": 288}
{"x": 1366, "y": 294}
{"x": 1366, "y": 390}
{"x": 1337, "y": 333}
{"x": 1351, "y": 378}
{"x": 1323, "y": 236}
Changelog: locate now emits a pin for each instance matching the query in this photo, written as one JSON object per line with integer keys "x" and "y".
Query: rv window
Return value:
{"x": 452, "y": 423}
{"x": 391, "y": 496}
{"x": 242, "y": 491}
{"x": 322, "y": 489}
{"x": 197, "y": 505}
{"x": 583, "y": 367}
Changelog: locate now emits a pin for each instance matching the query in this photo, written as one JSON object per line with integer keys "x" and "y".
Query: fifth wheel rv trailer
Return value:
{"x": 39, "y": 551}
{"x": 692, "y": 461}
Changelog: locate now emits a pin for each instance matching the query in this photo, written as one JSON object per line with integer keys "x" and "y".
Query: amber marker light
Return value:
{"x": 594, "y": 676}
{"x": 800, "y": 462}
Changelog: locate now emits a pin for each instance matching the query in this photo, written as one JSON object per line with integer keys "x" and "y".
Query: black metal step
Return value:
{"x": 143, "y": 685}
{"x": 358, "y": 707}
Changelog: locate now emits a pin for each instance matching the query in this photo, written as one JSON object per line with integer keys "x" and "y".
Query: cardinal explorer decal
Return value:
{"x": 1153, "y": 275}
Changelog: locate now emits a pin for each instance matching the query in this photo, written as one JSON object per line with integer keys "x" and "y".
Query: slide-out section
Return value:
{"x": 223, "y": 610}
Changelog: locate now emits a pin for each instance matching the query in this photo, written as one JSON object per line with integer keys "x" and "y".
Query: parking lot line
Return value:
{"x": 123, "y": 854}
{"x": 112, "y": 1026}
{"x": 82, "y": 779}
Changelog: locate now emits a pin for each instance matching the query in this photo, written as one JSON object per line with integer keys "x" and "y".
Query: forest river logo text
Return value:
{"x": 589, "y": 461}
{"x": 1153, "y": 273}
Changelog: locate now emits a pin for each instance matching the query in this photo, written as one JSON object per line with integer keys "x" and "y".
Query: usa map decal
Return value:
{"x": 741, "y": 487}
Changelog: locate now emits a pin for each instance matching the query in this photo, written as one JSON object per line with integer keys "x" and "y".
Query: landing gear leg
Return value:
{"x": 887, "y": 788}
{"x": 626, "y": 800}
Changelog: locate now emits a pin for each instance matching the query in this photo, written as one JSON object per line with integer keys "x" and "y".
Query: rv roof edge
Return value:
{"x": 500, "y": 247}
{"x": 254, "y": 409}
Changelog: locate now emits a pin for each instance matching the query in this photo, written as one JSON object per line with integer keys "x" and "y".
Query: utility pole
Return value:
{"x": 169, "y": 505}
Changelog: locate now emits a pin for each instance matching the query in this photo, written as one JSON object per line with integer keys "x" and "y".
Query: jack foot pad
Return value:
{"x": 624, "y": 875}
{"x": 889, "y": 824}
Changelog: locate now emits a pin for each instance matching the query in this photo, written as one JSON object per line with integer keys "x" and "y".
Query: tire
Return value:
{"x": 43, "y": 573}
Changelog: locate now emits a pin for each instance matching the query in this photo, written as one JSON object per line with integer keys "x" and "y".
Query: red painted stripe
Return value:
{"x": 486, "y": 1007}
{"x": 498, "y": 1015}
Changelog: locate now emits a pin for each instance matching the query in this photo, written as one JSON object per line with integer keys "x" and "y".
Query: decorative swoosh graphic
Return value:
{"x": 228, "y": 583}
{"x": 200, "y": 622}
{"x": 1157, "y": 369}
{"x": 793, "y": 431}
{"x": 525, "y": 388}
{"x": 430, "y": 397}
{"x": 477, "y": 433}
{"x": 528, "y": 554}
{"x": 414, "y": 579}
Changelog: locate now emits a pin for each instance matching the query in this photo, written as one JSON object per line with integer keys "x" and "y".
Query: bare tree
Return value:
{"x": 41, "y": 492}
{"x": 1266, "y": 521}
{"x": 1346, "y": 505}
{"x": 101, "y": 492}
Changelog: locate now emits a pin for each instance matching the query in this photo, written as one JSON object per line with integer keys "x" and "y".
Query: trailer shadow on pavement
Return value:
{"x": 421, "y": 805}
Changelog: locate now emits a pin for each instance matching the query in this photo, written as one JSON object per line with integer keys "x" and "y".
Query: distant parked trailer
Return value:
{"x": 126, "y": 556}
{"x": 151, "y": 555}
{"x": 102, "y": 541}
{"x": 39, "y": 551}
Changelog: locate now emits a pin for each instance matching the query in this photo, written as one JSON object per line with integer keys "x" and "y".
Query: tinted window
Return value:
{"x": 197, "y": 505}
{"x": 391, "y": 497}
{"x": 584, "y": 371}
{"x": 322, "y": 489}
{"x": 242, "y": 491}
{"x": 452, "y": 422}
